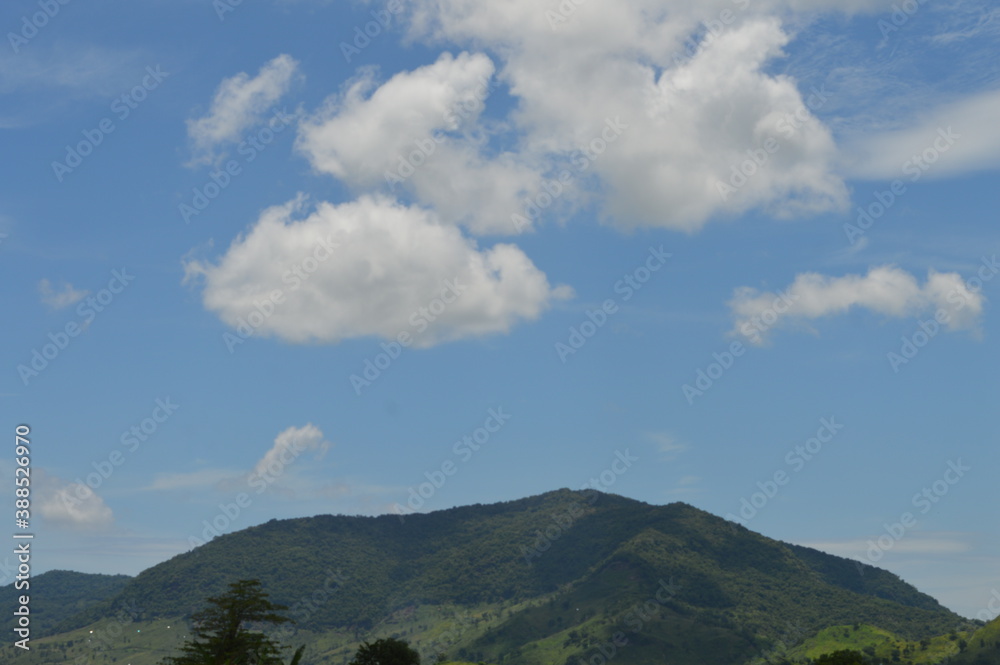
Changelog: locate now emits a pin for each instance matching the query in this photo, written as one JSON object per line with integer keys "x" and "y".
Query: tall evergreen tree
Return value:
{"x": 222, "y": 633}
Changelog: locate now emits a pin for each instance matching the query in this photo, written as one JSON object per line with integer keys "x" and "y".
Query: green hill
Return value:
{"x": 58, "y": 595}
{"x": 543, "y": 580}
{"x": 983, "y": 646}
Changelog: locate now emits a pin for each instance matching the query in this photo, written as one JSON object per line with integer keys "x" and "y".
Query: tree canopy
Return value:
{"x": 386, "y": 652}
{"x": 223, "y": 633}
{"x": 842, "y": 657}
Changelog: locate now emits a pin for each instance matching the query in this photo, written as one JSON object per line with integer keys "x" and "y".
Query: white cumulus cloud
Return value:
{"x": 371, "y": 267}
{"x": 411, "y": 133}
{"x": 886, "y": 290}
{"x": 288, "y": 445}
{"x": 691, "y": 114}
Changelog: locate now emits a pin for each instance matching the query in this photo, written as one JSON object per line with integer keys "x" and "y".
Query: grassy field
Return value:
{"x": 111, "y": 642}
{"x": 881, "y": 644}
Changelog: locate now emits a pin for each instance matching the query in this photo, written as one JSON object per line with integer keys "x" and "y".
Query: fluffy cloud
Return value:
{"x": 694, "y": 115}
{"x": 239, "y": 103}
{"x": 369, "y": 267}
{"x": 288, "y": 445}
{"x": 360, "y": 134}
{"x": 886, "y": 290}
{"x": 70, "y": 504}
{"x": 64, "y": 296}
{"x": 412, "y": 132}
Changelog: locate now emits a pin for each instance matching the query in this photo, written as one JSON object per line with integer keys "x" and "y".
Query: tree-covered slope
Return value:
{"x": 563, "y": 573}
{"x": 983, "y": 646}
{"x": 58, "y": 595}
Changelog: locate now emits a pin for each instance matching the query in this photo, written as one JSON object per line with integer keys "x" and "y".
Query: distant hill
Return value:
{"x": 58, "y": 595}
{"x": 546, "y": 579}
{"x": 983, "y": 647}
{"x": 550, "y": 579}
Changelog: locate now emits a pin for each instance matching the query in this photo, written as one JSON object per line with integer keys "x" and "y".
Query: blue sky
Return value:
{"x": 260, "y": 265}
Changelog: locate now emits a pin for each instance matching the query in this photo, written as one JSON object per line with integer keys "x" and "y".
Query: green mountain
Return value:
{"x": 982, "y": 647}
{"x": 557, "y": 578}
{"x": 58, "y": 595}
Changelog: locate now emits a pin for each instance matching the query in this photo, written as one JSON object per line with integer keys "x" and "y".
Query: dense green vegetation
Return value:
{"x": 552, "y": 579}
{"x": 386, "y": 652}
{"x": 58, "y": 595}
{"x": 982, "y": 647}
{"x": 223, "y": 632}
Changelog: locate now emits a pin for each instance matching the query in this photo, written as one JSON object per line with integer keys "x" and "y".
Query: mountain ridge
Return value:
{"x": 547, "y": 578}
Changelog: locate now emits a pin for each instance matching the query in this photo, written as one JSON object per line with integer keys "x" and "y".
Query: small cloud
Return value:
{"x": 887, "y": 290}
{"x": 240, "y": 102}
{"x": 667, "y": 444}
{"x": 288, "y": 446}
{"x": 70, "y": 504}
{"x": 58, "y": 298}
